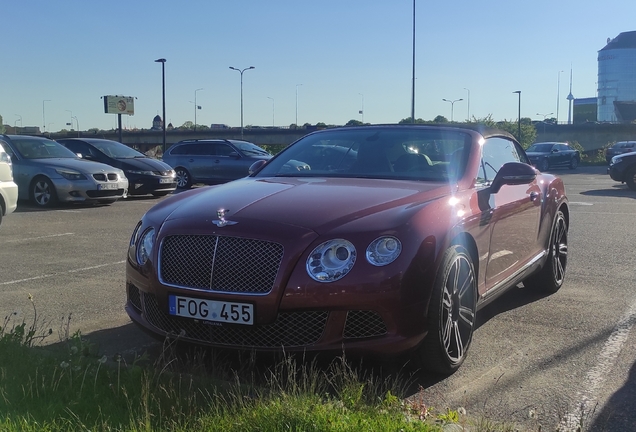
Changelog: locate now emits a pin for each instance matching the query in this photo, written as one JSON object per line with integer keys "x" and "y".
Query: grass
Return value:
{"x": 68, "y": 386}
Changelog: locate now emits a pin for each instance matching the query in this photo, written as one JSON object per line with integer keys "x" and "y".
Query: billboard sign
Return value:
{"x": 119, "y": 105}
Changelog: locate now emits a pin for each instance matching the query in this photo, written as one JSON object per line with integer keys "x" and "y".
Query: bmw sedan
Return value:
{"x": 392, "y": 253}
{"x": 47, "y": 172}
{"x": 145, "y": 175}
{"x": 548, "y": 155}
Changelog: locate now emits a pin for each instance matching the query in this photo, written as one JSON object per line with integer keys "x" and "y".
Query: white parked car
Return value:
{"x": 8, "y": 189}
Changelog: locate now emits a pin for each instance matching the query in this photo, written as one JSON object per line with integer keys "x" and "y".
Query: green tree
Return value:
{"x": 440, "y": 119}
{"x": 2, "y": 128}
{"x": 409, "y": 120}
{"x": 354, "y": 122}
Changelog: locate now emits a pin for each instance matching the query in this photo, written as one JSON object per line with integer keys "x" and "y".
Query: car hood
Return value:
{"x": 75, "y": 164}
{"x": 316, "y": 204}
{"x": 143, "y": 164}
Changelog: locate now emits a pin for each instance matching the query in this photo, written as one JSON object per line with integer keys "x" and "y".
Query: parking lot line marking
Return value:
{"x": 60, "y": 273}
{"x": 38, "y": 238}
{"x": 596, "y": 376}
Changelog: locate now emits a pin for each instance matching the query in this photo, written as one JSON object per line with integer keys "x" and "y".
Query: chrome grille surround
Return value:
{"x": 364, "y": 324}
{"x": 291, "y": 329}
{"x": 217, "y": 263}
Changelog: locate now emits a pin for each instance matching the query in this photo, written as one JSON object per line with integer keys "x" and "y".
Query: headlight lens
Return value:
{"x": 144, "y": 247}
{"x": 616, "y": 159}
{"x": 70, "y": 174}
{"x": 383, "y": 251}
{"x": 331, "y": 261}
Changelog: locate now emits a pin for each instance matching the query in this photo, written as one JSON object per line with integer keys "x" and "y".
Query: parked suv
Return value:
{"x": 8, "y": 189}
{"x": 623, "y": 169}
{"x": 620, "y": 148}
{"x": 212, "y": 161}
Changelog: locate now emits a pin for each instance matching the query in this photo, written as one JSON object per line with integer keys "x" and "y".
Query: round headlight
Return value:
{"x": 383, "y": 251}
{"x": 144, "y": 247}
{"x": 331, "y": 261}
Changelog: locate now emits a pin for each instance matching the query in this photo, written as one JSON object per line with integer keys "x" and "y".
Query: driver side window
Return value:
{"x": 495, "y": 152}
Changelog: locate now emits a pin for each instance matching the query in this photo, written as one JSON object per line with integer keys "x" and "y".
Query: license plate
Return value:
{"x": 166, "y": 180}
{"x": 211, "y": 310}
{"x": 107, "y": 186}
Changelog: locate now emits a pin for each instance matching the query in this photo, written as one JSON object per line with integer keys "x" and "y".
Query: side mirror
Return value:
{"x": 555, "y": 150}
{"x": 513, "y": 173}
{"x": 256, "y": 166}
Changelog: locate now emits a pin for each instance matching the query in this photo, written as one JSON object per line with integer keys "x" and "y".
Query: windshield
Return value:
{"x": 116, "y": 150}
{"x": 540, "y": 148}
{"x": 35, "y": 148}
{"x": 375, "y": 152}
{"x": 250, "y": 149}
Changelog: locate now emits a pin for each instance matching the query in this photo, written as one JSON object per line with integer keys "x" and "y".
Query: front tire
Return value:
{"x": 42, "y": 192}
{"x": 574, "y": 163}
{"x": 184, "y": 180}
{"x": 550, "y": 278}
{"x": 451, "y": 313}
{"x": 544, "y": 165}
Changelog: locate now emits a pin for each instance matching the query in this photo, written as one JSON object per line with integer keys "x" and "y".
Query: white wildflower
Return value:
{"x": 64, "y": 365}
{"x": 73, "y": 349}
{"x": 461, "y": 411}
{"x": 103, "y": 360}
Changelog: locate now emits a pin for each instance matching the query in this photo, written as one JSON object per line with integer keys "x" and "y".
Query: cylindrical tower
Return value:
{"x": 617, "y": 79}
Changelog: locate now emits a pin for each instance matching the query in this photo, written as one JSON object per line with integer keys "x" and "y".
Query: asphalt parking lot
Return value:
{"x": 534, "y": 359}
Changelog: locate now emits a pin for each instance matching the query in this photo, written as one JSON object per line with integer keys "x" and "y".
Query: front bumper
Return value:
{"x": 89, "y": 189}
{"x": 144, "y": 185}
{"x": 617, "y": 172}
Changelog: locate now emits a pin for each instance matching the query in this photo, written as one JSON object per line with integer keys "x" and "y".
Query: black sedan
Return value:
{"x": 145, "y": 174}
{"x": 623, "y": 169}
{"x": 547, "y": 155}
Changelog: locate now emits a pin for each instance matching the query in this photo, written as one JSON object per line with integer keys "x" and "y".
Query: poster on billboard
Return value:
{"x": 119, "y": 105}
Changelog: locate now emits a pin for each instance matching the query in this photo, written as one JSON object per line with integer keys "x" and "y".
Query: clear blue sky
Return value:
{"x": 345, "y": 53}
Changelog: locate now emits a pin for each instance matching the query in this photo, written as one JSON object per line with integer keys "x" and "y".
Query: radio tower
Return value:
{"x": 570, "y": 98}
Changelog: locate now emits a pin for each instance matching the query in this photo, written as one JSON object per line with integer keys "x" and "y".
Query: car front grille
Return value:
{"x": 291, "y": 329}
{"x": 216, "y": 263}
{"x": 106, "y": 177}
{"x": 364, "y": 324}
{"x": 134, "y": 296}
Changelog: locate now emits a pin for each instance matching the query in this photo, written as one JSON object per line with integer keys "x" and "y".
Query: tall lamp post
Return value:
{"x": 272, "y": 110}
{"x": 163, "y": 98}
{"x": 558, "y": 95}
{"x": 297, "y": 103}
{"x": 21, "y": 125}
{"x": 43, "y": 116}
{"x": 362, "y": 107}
{"x": 241, "y": 72}
{"x": 413, "y": 75}
{"x": 76, "y": 121}
{"x": 196, "y": 107}
{"x": 452, "y": 102}
{"x": 519, "y": 117}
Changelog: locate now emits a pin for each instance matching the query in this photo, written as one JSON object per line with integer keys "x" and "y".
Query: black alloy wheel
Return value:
{"x": 544, "y": 164}
{"x": 451, "y": 314}
{"x": 551, "y": 276}
{"x": 630, "y": 177}
{"x": 574, "y": 163}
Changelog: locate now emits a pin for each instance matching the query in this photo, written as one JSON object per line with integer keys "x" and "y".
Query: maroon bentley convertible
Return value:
{"x": 375, "y": 240}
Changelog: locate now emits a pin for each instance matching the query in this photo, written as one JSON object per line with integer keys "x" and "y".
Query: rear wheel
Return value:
{"x": 42, "y": 192}
{"x": 184, "y": 181}
{"x": 630, "y": 178}
{"x": 451, "y": 313}
{"x": 550, "y": 277}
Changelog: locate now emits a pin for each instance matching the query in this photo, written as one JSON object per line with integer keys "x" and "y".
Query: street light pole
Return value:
{"x": 196, "y": 107}
{"x": 362, "y": 110}
{"x": 452, "y": 102}
{"x": 413, "y": 75}
{"x": 272, "y": 110}
{"x": 21, "y": 125}
{"x": 297, "y": 103}
{"x": 76, "y": 121}
{"x": 558, "y": 95}
{"x": 163, "y": 97}
{"x": 519, "y": 118}
{"x": 241, "y": 71}
{"x": 43, "y": 116}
